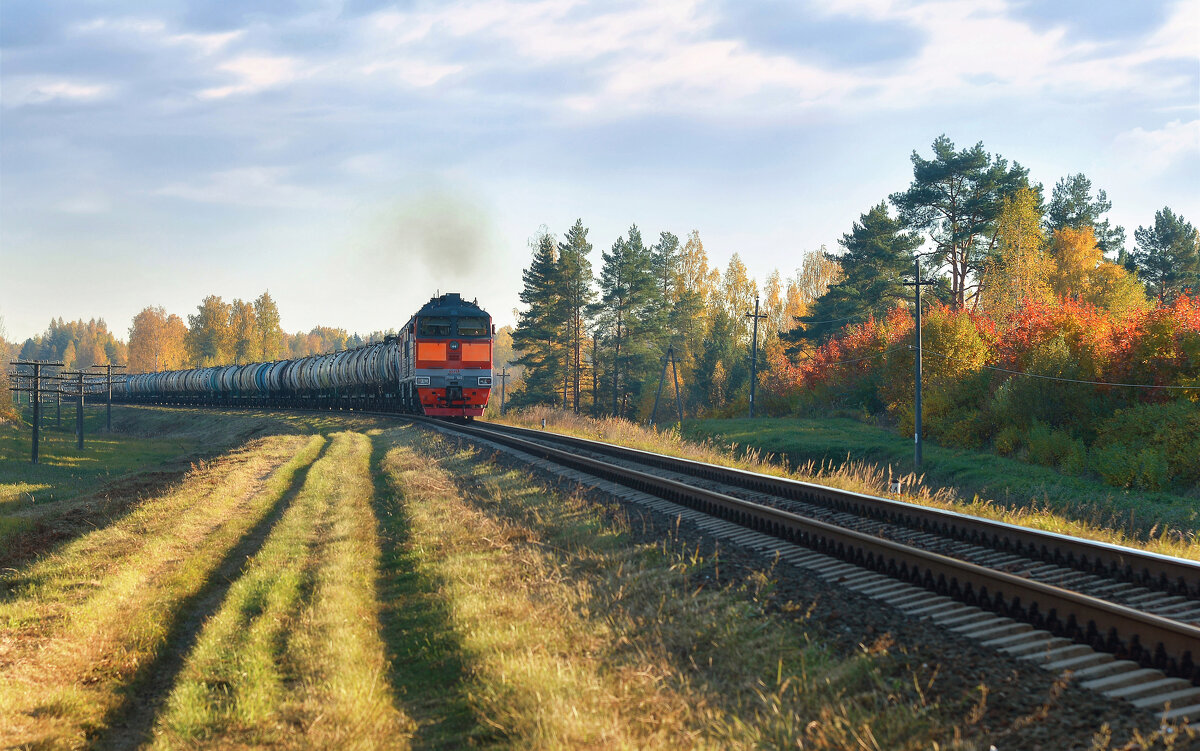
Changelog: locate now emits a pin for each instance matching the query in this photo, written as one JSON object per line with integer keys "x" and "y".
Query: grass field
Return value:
{"x": 356, "y": 583}
{"x": 1009, "y": 482}
{"x": 853, "y": 456}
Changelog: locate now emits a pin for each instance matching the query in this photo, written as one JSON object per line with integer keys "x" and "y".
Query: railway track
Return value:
{"x": 1125, "y": 622}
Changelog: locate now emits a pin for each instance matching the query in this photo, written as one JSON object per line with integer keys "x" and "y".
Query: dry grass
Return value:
{"x": 574, "y": 636}
{"x": 76, "y": 626}
{"x": 293, "y": 659}
{"x": 859, "y": 477}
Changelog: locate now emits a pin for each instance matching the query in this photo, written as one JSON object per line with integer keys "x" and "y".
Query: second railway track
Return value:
{"x": 1125, "y": 621}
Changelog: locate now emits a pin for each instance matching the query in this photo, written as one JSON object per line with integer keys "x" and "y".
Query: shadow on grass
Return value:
{"x": 427, "y": 665}
{"x": 131, "y": 722}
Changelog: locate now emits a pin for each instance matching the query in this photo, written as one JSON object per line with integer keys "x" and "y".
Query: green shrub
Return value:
{"x": 1116, "y": 465}
{"x": 1051, "y": 448}
{"x": 1153, "y": 471}
{"x": 1160, "y": 444}
{"x": 1008, "y": 440}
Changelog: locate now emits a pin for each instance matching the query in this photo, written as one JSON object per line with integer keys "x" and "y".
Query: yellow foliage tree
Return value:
{"x": 1112, "y": 288}
{"x": 1076, "y": 255}
{"x": 1021, "y": 271}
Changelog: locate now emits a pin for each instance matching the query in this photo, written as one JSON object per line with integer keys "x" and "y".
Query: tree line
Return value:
{"x": 218, "y": 333}
{"x": 976, "y": 224}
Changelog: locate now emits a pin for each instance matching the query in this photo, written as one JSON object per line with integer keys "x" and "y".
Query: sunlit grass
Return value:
{"x": 1090, "y": 518}
{"x": 77, "y": 625}
{"x": 574, "y": 636}
{"x": 293, "y": 658}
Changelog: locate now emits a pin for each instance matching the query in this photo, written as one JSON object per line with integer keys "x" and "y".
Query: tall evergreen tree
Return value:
{"x": 1167, "y": 255}
{"x": 577, "y": 294}
{"x": 1072, "y": 205}
{"x": 956, "y": 198}
{"x": 628, "y": 299}
{"x": 879, "y": 254}
{"x": 538, "y": 336}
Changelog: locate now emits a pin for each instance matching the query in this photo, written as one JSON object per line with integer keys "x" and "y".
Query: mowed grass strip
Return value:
{"x": 77, "y": 625}
{"x": 293, "y": 659}
{"x": 573, "y": 635}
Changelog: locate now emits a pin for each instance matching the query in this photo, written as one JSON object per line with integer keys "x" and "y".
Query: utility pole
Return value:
{"x": 108, "y": 380}
{"x": 79, "y": 395}
{"x": 916, "y": 284}
{"x": 668, "y": 358}
{"x": 34, "y": 388}
{"x": 503, "y": 374}
{"x": 754, "y": 354}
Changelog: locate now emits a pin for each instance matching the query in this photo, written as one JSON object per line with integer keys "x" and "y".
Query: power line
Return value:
{"x": 1063, "y": 380}
{"x": 860, "y": 359}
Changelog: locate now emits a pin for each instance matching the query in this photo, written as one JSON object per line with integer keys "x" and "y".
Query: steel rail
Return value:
{"x": 1150, "y": 640}
{"x": 1166, "y": 573}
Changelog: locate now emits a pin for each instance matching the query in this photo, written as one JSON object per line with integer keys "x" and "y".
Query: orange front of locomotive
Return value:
{"x": 453, "y": 376}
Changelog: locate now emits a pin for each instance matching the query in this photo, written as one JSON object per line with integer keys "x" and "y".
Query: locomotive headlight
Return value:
{"x": 422, "y": 380}
{"x": 485, "y": 380}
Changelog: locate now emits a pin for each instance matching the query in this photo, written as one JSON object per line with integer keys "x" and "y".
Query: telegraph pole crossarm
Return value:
{"x": 108, "y": 381}
{"x": 916, "y": 284}
{"x": 35, "y": 397}
{"x": 754, "y": 353}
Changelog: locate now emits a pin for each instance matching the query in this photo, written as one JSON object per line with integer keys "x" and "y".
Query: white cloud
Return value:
{"x": 666, "y": 56}
{"x": 20, "y": 91}
{"x": 156, "y": 32}
{"x": 416, "y": 73}
{"x": 250, "y": 186}
{"x": 1158, "y": 150}
{"x": 256, "y": 73}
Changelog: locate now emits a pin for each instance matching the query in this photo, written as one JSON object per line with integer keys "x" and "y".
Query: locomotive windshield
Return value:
{"x": 433, "y": 326}
{"x": 472, "y": 326}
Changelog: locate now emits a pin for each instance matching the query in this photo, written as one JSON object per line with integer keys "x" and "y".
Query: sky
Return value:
{"x": 354, "y": 157}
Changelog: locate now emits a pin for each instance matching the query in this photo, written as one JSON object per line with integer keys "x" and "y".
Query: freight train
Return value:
{"x": 440, "y": 364}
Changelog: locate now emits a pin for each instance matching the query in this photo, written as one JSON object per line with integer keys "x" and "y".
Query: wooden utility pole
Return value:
{"x": 503, "y": 376}
{"x": 916, "y": 284}
{"x": 35, "y": 398}
{"x": 78, "y": 393}
{"x": 754, "y": 353}
{"x": 108, "y": 382}
{"x": 669, "y": 357}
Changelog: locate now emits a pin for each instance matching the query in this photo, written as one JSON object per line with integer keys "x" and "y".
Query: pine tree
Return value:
{"x": 956, "y": 198}
{"x": 1072, "y": 205}
{"x": 626, "y": 314}
{"x": 539, "y": 332}
{"x": 575, "y": 280}
{"x": 879, "y": 254}
{"x": 1168, "y": 255}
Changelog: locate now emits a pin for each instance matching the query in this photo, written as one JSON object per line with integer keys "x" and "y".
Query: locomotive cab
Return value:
{"x": 447, "y": 368}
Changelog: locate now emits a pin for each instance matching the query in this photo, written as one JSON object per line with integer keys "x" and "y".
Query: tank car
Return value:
{"x": 440, "y": 364}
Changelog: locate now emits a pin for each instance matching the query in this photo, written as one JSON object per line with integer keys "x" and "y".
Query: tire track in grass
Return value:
{"x": 78, "y": 626}
{"x": 130, "y": 723}
{"x": 427, "y": 664}
{"x": 294, "y": 659}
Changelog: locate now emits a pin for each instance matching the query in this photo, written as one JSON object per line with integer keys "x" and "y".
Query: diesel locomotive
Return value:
{"x": 440, "y": 364}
